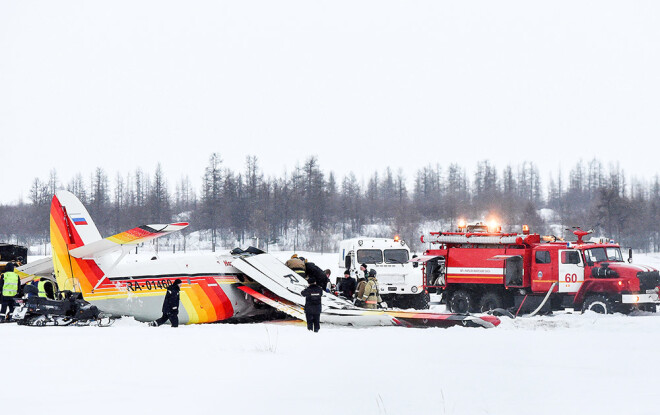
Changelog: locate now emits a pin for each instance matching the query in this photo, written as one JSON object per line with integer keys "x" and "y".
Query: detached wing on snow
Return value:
{"x": 281, "y": 281}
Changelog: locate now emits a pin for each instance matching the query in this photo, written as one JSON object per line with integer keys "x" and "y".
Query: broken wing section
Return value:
{"x": 283, "y": 282}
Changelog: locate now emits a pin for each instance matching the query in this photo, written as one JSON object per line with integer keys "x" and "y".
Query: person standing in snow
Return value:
{"x": 370, "y": 295}
{"x": 313, "y": 295}
{"x": 10, "y": 289}
{"x": 363, "y": 271}
{"x": 359, "y": 291}
{"x": 328, "y": 287}
{"x": 346, "y": 286}
{"x": 170, "y": 305}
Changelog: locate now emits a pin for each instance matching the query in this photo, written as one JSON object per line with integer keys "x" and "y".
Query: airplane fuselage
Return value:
{"x": 208, "y": 292}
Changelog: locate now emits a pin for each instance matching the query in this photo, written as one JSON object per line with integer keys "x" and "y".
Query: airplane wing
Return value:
{"x": 133, "y": 236}
{"x": 428, "y": 318}
{"x": 283, "y": 282}
{"x": 41, "y": 268}
{"x": 340, "y": 317}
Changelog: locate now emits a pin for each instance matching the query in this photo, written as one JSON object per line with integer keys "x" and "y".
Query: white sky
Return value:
{"x": 361, "y": 84}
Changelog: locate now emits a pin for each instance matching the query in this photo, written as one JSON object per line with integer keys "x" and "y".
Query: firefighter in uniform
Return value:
{"x": 297, "y": 265}
{"x": 370, "y": 295}
{"x": 170, "y": 305}
{"x": 359, "y": 291}
{"x": 313, "y": 295}
{"x": 11, "y": 284}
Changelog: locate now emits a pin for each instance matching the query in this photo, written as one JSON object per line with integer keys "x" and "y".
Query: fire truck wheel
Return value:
{"x": 420, "y": 301}
{"x": 598, "y": 303}
{"x": 461, "y": 302}
{"x": 651, "y": 308}
{"x": 490, "y": 301}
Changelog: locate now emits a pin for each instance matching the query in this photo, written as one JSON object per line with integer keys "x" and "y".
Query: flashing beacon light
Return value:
{"x": 525, "y": 230}
{"x": 461, "y": 224}
{"x": 492, "y": 226}
{"x": 396, "y": 238}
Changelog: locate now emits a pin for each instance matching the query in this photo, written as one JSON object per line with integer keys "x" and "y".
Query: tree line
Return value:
{"x": 309, "y": 208}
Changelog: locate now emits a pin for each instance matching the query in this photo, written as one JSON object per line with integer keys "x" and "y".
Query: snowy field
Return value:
{"x": 561, "y": 364}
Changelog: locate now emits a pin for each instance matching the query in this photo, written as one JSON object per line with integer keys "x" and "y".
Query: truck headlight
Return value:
{"x": 414, "y": 289}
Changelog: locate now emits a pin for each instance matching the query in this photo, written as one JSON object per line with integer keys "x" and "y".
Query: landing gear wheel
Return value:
{"x": 461, "y": 302}
{"x": 490, "y": 301}
{"x": 598, "y": 303}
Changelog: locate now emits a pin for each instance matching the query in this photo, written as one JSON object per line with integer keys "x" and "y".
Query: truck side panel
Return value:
{"x": 475, "y": 266}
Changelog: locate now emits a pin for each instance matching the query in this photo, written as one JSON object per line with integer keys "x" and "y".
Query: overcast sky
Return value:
{"x": 361, "y": 84}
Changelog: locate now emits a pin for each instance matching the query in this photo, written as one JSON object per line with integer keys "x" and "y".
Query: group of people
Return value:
{"x": 310, "y": 271}
{"x": 319, "y": 282}
{"x": 11, "y": 288}
{"x": 363, "y": 291}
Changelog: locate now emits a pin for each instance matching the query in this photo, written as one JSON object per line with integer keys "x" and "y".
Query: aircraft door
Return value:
{"x": 571, "y": 271}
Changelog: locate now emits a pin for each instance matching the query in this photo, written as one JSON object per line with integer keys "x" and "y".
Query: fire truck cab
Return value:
{"x": 399, "y": 280}
{"x": 484, "y": 270}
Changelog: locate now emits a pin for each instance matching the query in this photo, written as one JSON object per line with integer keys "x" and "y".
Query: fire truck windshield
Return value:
{"x": 396, "y": 256}
{"x": 603, "y": 254}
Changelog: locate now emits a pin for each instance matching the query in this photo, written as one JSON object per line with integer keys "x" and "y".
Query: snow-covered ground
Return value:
{"x": 567, "y": 364}
{"x": 561, "y": 364}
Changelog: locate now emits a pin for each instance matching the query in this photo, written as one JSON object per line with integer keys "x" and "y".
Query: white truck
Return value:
{"x": 399, "y": 282}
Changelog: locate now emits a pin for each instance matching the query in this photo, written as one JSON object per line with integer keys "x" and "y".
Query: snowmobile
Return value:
{"x": 69, "y": 309}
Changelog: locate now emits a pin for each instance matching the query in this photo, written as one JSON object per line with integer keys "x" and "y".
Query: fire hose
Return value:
{"x": 511, "y": 315}
{"x": 544, "y": 300}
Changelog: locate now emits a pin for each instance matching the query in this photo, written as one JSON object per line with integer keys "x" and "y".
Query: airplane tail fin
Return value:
{"x": 81, "y": 257}
{"x": 71, "y": 227}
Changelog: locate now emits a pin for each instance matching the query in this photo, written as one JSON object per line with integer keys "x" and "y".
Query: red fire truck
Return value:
{"x": 479, "y": 269}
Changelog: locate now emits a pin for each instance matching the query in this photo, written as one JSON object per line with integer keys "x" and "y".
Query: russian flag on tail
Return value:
{"x": 79, "y": 221}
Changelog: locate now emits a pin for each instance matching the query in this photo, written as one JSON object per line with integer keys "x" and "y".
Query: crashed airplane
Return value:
{"x": 215, "y": 287}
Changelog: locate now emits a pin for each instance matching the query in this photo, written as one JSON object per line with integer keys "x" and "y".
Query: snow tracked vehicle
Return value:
{"x": 70, "y": 309}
